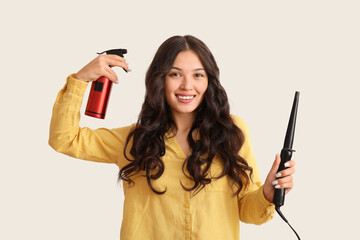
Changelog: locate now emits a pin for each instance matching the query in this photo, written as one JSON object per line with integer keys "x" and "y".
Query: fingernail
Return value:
{"x": 278, "y": 175}
{"x": 277, "y": 186}
{"x": 275, "y": 182}
{"x": 287, "y": 164}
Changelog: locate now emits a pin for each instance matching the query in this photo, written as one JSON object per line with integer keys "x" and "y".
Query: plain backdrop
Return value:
{"x": 266, "y": 50}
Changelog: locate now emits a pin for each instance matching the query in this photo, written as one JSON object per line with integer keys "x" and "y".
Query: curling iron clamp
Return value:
{"x": 286, "y": 154}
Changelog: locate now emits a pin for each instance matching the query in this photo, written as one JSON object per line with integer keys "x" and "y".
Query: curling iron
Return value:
{"x": 286, "y": 154}
{"x": 100, "y": 91}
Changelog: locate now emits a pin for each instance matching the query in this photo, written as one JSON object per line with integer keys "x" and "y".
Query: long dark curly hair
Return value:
{"x": 216, "y": 130}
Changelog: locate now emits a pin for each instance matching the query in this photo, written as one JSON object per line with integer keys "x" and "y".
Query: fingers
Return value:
{"x": 114, "y": 61}
{"x": 100, "y": 67}
{"x": 111, "y": 75}
{"x": 279, "y": 180}
{"x": 286, "y": 172}
{"x": 290, "y": 163}
{"x": 286, "y": 182}
{"x": 284, "y": 179}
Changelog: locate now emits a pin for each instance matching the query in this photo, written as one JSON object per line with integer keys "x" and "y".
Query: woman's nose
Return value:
{"x": 186, "y": 83}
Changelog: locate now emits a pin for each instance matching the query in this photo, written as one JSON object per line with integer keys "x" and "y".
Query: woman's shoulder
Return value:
{"x": 238, "y": 121}
{"x": 241, "y": 124}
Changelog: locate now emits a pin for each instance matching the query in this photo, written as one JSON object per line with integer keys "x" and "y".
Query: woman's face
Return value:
{"x": 185, "y": 83}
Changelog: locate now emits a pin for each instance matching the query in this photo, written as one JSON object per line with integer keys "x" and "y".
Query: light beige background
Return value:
{"x": 266, "y": 50}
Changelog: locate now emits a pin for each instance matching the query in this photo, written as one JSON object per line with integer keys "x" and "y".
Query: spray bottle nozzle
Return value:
{"x": 118, "y": 52}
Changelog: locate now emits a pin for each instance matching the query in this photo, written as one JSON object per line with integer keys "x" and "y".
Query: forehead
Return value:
{"x": 187, "y": 59}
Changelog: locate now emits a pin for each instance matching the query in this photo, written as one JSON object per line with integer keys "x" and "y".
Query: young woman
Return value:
{"x": 187, "y": 165}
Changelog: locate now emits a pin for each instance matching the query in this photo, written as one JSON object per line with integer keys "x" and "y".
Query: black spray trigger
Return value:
{"x": 120, "y": 52}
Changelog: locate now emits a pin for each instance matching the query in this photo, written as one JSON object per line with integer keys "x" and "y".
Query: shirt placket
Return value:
{"x": 187, "y": 205}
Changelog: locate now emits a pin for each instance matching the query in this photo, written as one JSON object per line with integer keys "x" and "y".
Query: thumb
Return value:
{"x": 268, "y": 186}
{"x": 276, "y": 164}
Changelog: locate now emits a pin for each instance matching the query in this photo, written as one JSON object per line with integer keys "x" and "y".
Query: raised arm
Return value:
{"x": 65, "y": 136}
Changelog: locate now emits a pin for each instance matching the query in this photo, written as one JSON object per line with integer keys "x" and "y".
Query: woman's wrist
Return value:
{"x": 79, "y": 78}
{"x": 268, "y": 195}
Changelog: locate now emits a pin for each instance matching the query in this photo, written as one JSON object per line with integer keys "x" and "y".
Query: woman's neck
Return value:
{"x": 183, "y": 122}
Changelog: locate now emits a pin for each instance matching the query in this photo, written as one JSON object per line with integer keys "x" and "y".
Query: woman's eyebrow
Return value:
{"x": 196, "y": 69}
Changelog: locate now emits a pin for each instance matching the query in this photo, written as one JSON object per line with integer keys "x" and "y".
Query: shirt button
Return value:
{"x": 187, "y": 228}
{"x": 187, "y": 205}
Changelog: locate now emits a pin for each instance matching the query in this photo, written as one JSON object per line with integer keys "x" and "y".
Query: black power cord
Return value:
{"x": 277, "y": 208}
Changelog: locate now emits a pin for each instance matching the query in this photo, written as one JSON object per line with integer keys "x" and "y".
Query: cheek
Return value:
{"x": 206, "y": 86}
{"x": 168, "y": 90}
{"x": 202, "y": 87}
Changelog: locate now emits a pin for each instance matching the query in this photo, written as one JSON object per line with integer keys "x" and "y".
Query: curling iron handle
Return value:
{"x": 279, "y": 195}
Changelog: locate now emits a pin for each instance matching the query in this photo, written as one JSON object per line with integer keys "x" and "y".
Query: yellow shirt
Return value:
{"x": 213, "y": 213}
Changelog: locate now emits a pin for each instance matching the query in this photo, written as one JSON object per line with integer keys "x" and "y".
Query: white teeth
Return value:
{"x": 185, "y": 97}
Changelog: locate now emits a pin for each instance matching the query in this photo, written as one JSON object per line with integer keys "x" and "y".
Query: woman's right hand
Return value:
{"x": 100, "y": 67}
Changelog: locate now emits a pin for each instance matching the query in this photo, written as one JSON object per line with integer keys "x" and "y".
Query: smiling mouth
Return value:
{"x": 185, "y": 97}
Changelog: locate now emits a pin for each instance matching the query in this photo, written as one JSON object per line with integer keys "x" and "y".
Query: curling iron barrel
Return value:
{"x": 286, "y": 152}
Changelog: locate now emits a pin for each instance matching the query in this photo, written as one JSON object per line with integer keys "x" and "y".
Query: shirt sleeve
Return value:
{"x": 65, "y": 135}
{"x": 253, "y": 206}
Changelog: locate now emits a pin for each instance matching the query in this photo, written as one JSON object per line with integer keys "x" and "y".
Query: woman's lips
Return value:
{"x": 185, "y": 98}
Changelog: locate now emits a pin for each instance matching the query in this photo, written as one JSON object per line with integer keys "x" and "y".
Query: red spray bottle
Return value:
{"x": 100, "y": 91}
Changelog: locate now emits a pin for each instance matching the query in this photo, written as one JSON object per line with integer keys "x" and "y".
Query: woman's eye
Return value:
{"x": 199, "y": 75}
{"x": 175, "y": 74}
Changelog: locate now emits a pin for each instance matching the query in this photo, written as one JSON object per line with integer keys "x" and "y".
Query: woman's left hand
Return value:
{"x": 285, "y": 180}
